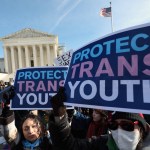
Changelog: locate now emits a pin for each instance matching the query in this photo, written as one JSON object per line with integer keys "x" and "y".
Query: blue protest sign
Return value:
{"x": 35, "y": 86}
{"x": 112, "y": 73}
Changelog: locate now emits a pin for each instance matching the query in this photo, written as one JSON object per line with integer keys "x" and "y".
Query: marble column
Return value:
{"x": 13, "y": 61}
{"x": 55, "y": 51}
{"x": 35, "y": 55}
{"x": 6, "y": 59}
{"x": 41, "y": 56}
{"x": 20, "y": 56}
{"x": 27, "y": 56}
{"x": 48, "y": 55}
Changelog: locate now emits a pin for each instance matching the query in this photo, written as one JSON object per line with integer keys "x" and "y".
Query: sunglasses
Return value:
{"x": 125, "y": 125}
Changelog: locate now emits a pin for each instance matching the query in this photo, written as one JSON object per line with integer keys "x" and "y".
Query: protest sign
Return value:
{"x": 35, "y": 86}
{"x": 64, "y": 59}
{"x": 112, "y": 73}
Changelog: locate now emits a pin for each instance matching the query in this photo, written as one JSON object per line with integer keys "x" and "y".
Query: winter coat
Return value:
{"x": 79, "y": 125}
{"x": 96, "y": 129}
{"x": 14, "y": 138}
{"x": 63, "y": 139}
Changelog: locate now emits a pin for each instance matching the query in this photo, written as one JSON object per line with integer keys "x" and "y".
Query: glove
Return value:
{"x": 57, "y": 102}
{"x": 8, "y": 95}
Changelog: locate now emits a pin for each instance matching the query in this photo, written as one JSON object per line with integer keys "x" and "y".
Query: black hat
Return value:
{"x": 131, "y": 116}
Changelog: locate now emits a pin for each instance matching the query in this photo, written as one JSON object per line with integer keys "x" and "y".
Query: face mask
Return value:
{"x": 126, "y": 140}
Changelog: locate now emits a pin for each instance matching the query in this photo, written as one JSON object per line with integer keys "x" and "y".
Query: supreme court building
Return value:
{"x": 29, "y": 48}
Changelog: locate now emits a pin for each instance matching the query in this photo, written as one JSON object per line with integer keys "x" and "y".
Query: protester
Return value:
{"x": 127, "y": 130}
{"x": 99, "y": 124}
{"x": 19, "y": 114}
{"x": 31, "y": 136}
{"x": 79, "y": 123}
{"x": 2, "y": 85}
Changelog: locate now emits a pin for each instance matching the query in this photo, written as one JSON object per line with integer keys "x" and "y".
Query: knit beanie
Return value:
{"x": 131, "y": 116}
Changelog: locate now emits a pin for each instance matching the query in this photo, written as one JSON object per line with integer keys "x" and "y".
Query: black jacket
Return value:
{"x": 13, "y": 137}
{"x": 63, "y": 140}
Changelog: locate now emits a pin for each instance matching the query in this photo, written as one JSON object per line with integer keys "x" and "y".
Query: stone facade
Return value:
{"x": 29, "y": 48}
{"x": 2, "y": 68}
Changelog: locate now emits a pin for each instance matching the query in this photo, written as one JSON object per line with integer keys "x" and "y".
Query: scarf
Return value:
{"x": 111, "y": 143}
{"x": 27, "y": 144}
{"x": 95, "y": 129}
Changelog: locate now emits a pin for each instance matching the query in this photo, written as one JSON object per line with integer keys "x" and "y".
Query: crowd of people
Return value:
{"x": 3, "y": 84}
{"x": 73, "y": 129}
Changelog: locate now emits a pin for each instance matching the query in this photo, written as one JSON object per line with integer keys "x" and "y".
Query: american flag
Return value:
{"x": 106, "y": 12}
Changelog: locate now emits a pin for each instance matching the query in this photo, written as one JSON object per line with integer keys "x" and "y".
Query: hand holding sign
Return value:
{"x": 57, "y": 102}
{"x": 7, "y": 94}
{"x": 112, "y": 73}
{"x": 34, "y": 87}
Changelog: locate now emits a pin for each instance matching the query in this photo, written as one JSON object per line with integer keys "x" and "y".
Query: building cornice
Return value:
{"x": 31, "y": 41}
{"x": 26, "y": 33}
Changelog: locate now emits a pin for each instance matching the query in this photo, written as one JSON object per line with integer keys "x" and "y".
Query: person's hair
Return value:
{"x": 37, "y": 120}
{"x": 103, "y": 113}
{"x": 104, "y": 118}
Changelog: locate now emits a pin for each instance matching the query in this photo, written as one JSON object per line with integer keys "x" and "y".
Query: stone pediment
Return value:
{"x": 27, "y": 33}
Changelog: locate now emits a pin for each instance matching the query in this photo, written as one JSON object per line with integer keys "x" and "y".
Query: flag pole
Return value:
{"x": 112, "y": 29}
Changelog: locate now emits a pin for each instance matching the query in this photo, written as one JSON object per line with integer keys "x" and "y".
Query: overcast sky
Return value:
{"x": 76, "y": 22}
